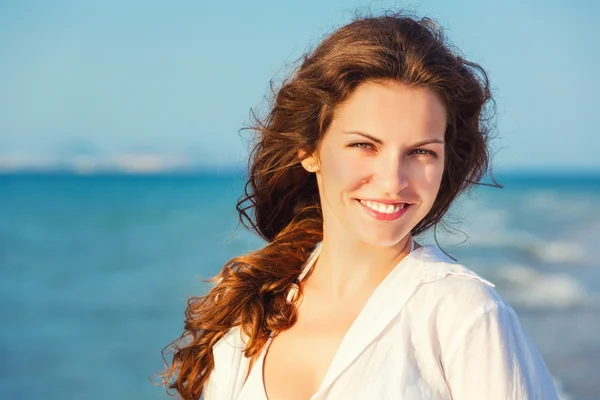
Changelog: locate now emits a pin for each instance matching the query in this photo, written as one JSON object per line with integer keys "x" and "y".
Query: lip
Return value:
{"x": 383, "y": 216}
{"x": 386, "y": 201}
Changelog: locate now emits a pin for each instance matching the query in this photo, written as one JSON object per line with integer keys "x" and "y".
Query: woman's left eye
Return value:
{"x": 424, "y": 152}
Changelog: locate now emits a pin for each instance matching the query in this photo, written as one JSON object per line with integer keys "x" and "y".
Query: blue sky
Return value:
{"x": 179, "y": 78}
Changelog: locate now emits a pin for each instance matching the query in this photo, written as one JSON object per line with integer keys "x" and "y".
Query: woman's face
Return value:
{"x": 379, "y": 165}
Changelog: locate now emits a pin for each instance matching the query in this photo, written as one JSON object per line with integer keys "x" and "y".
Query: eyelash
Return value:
{"x": 363, "y": 145}
{"x": 430, "y": 152}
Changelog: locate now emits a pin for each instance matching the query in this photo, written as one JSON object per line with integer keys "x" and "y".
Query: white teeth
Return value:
{"x": 383, "y": 208}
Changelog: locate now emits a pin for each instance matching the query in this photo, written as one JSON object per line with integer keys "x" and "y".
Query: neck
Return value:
{"x": 345, "y": 267}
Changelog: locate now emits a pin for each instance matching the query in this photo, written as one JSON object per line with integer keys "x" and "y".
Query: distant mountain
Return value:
{"x": 77, "y": 147}
{"x": 83, "y": 156}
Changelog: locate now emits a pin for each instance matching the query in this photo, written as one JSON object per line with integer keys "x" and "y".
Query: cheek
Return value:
{"x": 430, "y": 179}
{"x": 341, "y": 168}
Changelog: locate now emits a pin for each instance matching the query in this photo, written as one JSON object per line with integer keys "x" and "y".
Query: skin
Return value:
{"x": 358, "y": 251}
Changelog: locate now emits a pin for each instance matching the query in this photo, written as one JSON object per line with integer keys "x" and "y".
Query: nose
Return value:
{"x": 391, "y": 175}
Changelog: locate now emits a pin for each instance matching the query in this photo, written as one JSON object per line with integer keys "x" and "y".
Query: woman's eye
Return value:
{"x": 424, "y": 152}
{"x": 362, "y": 145}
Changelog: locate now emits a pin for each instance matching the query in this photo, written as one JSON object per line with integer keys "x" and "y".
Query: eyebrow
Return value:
{"x": 376, "y": 140}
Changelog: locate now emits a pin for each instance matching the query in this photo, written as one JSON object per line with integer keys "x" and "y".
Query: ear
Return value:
{"x": 310, "y": 163}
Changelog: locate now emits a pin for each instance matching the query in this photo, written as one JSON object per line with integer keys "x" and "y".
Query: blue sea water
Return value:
{"x": 95, "y": 272}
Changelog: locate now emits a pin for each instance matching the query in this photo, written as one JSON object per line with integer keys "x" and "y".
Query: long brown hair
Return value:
{"x": 281, "y": 201}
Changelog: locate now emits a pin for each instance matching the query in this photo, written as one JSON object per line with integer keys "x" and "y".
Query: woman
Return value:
{"x": 365, "y": 147}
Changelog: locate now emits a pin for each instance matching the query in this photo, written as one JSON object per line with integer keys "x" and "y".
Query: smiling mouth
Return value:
{"x": 384, "y": 208}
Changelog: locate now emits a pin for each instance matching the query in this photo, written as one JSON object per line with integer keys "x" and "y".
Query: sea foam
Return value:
{"x": 529, "y": 288}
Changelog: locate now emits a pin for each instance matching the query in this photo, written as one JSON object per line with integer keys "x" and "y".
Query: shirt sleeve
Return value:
{"x": 491, "y": 357}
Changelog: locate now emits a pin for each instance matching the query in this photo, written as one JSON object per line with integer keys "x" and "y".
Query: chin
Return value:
{"x": 381, "y": 239}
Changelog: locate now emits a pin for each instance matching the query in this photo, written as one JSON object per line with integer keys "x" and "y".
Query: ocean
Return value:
{"x": 95, "y": 272}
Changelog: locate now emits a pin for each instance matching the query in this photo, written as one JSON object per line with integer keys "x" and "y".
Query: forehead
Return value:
{"x": 391, "y": 109}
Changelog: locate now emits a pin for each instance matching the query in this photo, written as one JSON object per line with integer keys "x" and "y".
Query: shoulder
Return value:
{"x": 453, "y": 293}
{"x": 462, "y": 306}
{"x": 481, "y": 345}
{"x": 438, "y": 266}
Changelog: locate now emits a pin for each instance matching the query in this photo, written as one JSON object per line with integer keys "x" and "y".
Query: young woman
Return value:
{"x": 366, "y": 146}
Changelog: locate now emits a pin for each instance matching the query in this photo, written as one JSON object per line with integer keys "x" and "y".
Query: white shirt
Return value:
{"x": 432, "y": 330}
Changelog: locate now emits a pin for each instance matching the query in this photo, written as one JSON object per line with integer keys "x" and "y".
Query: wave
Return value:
{"x": 526, "y": 287}
{"x": 496, "y": 226}
{"x": 555, "y": 252}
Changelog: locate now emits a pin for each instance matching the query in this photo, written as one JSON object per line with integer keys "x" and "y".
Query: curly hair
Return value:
{"x": 281, "y": 201}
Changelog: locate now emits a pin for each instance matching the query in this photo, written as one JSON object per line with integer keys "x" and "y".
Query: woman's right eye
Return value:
{"x": 362, "y": 145}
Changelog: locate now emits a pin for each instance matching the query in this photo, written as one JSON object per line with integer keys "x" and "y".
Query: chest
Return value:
{"x": 397, "y": 365}
{"x": 298, "y": 359}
